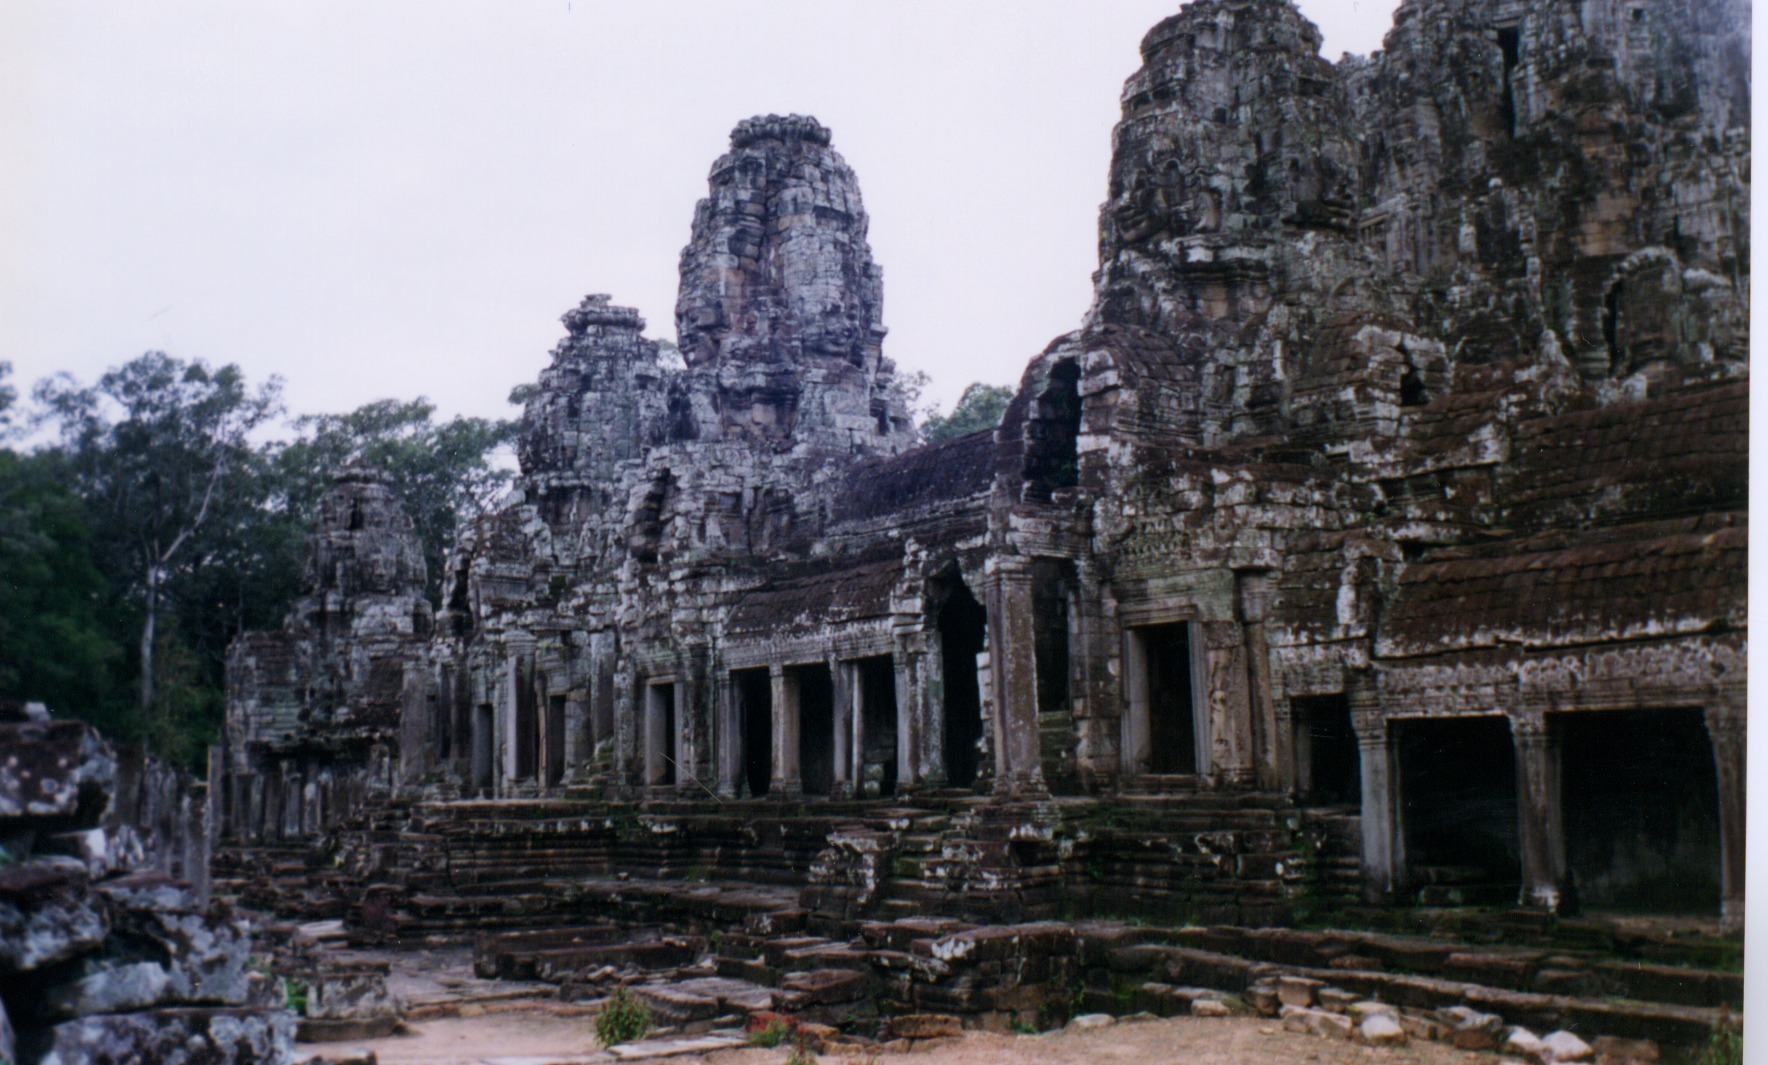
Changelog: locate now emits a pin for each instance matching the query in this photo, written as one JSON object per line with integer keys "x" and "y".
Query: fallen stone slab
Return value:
{"x": 47, "y": 915}
{"x": 1382, "y": 1030}
{"x": 669, "y": 1048}
{"x": 345, "y": 1029}
{"x": 1563, "y": 1046}
{"x": 924, "y": 1026}
{"x": 171, "y": 1037}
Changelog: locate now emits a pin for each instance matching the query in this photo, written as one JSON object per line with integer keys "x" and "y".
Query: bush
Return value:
{"x": 622, "y": 1019}
{"x": 771, "y": 1034}
{"x": 1725, "y": 1046}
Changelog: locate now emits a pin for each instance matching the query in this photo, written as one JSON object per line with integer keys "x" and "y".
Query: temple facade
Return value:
{"x": 1399, "y": 469}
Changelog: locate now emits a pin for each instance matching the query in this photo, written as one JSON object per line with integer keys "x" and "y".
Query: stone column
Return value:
{"x": 911, "y": 708}
{"x": 1726, "y": 726}
{"x": 1540, "y": 825}
{"x": 1013, "y": 660}
{"x": 1384, "y": 853}
{"x": 1271, "y": 759}
{"x": 786, "y": 783}
{"x": 842, "y": 712}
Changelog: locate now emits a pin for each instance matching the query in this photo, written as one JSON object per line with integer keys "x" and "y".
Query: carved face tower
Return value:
{"x": 780, "y": 299}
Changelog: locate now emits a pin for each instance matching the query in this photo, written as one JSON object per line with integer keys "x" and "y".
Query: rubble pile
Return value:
{"x": 99, "y": 960}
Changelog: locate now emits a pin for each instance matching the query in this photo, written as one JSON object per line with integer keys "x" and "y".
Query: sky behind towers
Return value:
{"x": 400, "y": 198}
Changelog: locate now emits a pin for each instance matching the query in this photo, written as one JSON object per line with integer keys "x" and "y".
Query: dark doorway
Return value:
{"x": 963, "y": 627}
{"x": 1458, "y": 808}
{"x": 1052, "y": 585}
{"x": 1172, "y": 716}
{"x": 484, "y": 716}
{"x": 660, "y": 735}
{"x": 1326, "y": 759}
{"x": 1639, "y": 793}
{"x": 754, "y": 690}
{"x": 816, "y": 729}
{"x": 555, "y": 739}
{"x": 877, "y": 691}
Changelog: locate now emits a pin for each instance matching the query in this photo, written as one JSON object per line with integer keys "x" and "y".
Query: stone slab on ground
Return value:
{"x": 669, "y": 1048}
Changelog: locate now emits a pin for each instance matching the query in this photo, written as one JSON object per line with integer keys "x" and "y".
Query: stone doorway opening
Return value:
{"x": 1458, "y": 809}
{"x": 484, "y": 718}
{"x": 815, "y": 686}
{"x": 963, "y": 631}
{"x": 1639, "y": 797}
{"x": 555, "y": 739}
{"x": 877, "y": 773}
{"x": 754, "y": 692}
{"x": 1164, "y": 712}
{"x": 660, "y": 734}
{"x": 1327, "y": 766}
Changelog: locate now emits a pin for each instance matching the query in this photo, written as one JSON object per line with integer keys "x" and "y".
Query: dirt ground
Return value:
{"x": 533, "y": 1037}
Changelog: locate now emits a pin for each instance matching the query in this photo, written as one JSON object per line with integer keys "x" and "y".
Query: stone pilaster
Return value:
{"x": 1726, "y": 725}
{"x": 1384, "y": 851}
{"x": 1540, "y": 823}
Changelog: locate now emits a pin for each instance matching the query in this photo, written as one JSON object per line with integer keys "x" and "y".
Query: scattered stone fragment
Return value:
{"x": 1380, "y": 1029}
{"x": 1563, "y": 1046}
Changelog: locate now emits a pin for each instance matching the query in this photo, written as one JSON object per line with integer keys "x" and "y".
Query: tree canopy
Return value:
{"x": 980, "y": 407}
{"x": 160, "y": 524}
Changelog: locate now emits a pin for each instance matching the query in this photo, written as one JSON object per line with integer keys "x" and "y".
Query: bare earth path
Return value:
{"x": 534, "y": 1037}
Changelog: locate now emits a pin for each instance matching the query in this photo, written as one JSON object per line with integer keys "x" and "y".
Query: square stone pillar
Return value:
{"x": 1539, "y": 818}
{"x": 843, "y": 710}
{"x": 1384, "y": 850}
{"x": 1271, "y": 741}
{"x": 787, "y": 783}
{"x": 1013, "y": 660}
{"x": 1726, "y": 726}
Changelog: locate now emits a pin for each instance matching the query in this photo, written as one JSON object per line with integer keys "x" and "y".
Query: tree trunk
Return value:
{"x": 153, "y": 598}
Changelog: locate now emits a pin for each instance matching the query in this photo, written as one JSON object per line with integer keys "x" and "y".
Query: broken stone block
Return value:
{"x": 1363, "y": 1010}
{"x": 1335, "y": 999}
{"x": 1317, "y": 1022}
{"x": 47, "y": 914}
{"x": 1091, "y": 1020}
{"x": 59, "y": 774}
{"x": 208, "y": 1036}
{"x": 1381, "y": 1030}
{"x": 925, "y": 1026}
{"x": 1521, "y": 1041}
{"x": 1469, "y": 1029}
{"x": 824, "y": 986}
{"x": 339, "y": 990}
{"x": 1298, "y": 990}
{"x": 1209, "y": 1007}
{"x": 1563, "y": 1046}
{"x": 90, "y": 847}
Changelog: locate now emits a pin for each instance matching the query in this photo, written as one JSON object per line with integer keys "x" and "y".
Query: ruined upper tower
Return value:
{"x": 780, "y": 300}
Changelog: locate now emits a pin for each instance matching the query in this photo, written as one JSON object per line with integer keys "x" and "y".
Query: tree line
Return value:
{"x": 162, "y": 510}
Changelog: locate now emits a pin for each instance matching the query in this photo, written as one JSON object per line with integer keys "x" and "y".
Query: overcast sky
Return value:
{"x": 400, "y": 198}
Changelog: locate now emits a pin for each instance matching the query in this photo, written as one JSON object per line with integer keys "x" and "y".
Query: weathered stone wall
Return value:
{"x": 102, "y": 956}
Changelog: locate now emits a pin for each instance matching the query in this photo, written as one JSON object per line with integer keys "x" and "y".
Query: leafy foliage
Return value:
{"x": 622, "y": 1019}
{"x": 980, "y": 407}
{"x": 158, "y": 527}
{"x": 54, "y": 642}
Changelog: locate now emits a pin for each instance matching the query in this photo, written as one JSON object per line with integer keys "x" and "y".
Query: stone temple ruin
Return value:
{"x": 1375, "y": 545}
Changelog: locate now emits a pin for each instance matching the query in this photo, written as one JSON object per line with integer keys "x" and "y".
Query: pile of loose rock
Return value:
{"x": 1317, "y": 1008}
{"x": 100, "y": 962}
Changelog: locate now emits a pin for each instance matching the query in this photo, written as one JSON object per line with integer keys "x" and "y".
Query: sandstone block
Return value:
{"x": 1563, "y": 1046}
{"x": 59, "y": 774}
{"x": 1363, "y": 1010}
{"x": 1380, "y": 1029}
{"x": 1298, "y": 991}
{"x": 925, "y": 1026}
{"x": 1522, "y": 1042}
{"x": 47, "y": 914}
{"x": 174, "y": 1037}
{"x": 1209, "y": 1007}
{"x": 1092, "y": 1020}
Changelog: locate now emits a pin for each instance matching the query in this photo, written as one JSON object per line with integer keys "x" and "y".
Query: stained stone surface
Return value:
{"x": 1410, "y": 414}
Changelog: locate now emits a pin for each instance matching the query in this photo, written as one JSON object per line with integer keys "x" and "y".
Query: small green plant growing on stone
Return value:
{"x": 771, "y": 1034}
{"x": 1724, "y": 1046}
{"x": 622, "y": 1019}
{"x": 800, "y": 1054}
{"x": 294, "y": 995}
{"x": 1023, "y": 1028}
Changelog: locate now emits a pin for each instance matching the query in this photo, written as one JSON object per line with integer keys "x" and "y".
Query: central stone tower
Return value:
{"x": 780, "y": 300}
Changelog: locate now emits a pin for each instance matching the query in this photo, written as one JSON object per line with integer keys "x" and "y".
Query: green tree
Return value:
{"x": 160, "y": 450}
{"x": 447, "y": 472}
{"x": 54, "y": 645}
{"x": 980, "y": 407}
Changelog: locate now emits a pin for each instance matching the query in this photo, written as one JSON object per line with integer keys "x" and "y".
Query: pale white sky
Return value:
{"x": 400, "y": 197}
